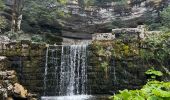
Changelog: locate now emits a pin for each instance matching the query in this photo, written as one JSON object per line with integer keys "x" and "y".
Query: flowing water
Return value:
{"x": 45, "y": 73}
{"x": 66, "y": 73}
{"x": 77, "y": 97}
{"x": 73, "y": 70}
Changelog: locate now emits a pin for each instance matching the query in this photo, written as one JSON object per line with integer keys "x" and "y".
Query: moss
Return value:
{"x": 103, "y": 54}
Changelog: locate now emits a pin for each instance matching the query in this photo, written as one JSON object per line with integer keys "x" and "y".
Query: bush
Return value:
{"x": 153, "y": 90}
{"x": 3, "y": 22}
{"x": 37, "y": 38}
{"x": 165, "y": 17}
{"x": 153, "y": 73}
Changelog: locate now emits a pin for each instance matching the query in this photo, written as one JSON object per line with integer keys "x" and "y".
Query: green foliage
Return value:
{"x": 162, "y": 23}
{"x": 103, "y": 50}
{"x": 118, "y": 23}
{"x": 1, "y": 4}
{"x": 43, "y": 11}
{"x": 165, "y": 15}
{"x": 89, "y": 2}
{"x": 153, "y": 73}
{"x": 13, "y": 35}
{"x": 103, "y": 1}
{"x": 62, "y": 1}
{"x": 153, "y": 90}
{"x": 3, "y": 22}
{"x": 150, "y": 21}
{"x": 104, "y": 65}
{"x": 36, "y": 38}
{"x": 157, "y": 48}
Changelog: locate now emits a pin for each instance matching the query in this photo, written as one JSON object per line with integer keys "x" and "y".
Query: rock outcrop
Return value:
{"x": 10, "y": 89}
{"x": 98, "y": 17}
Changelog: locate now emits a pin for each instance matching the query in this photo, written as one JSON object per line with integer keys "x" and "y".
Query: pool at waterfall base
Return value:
{"x": 77, "y": 97}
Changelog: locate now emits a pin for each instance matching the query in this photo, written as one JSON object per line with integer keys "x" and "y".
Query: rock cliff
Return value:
{"x": 10, "y": 89}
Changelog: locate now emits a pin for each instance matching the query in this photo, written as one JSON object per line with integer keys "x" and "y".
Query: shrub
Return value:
{"x": 153, "y": 90}
{"x": 36, "y": 38}
{"x": 153, "y": 73}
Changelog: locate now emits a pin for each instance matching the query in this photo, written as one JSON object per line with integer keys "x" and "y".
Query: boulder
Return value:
{"x": 10, "y": 98}
{"x": 8, "y": 75}
{"x": 2, "y": 58}
{"x": 20, "y": 91}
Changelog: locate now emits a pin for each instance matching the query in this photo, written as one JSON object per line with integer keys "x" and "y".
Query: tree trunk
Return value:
{"x": 16, "y": 15}
{"x": 13, "y": 16}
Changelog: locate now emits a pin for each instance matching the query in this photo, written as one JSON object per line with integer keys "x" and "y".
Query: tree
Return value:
{"x": 42, "y": 10}
{"x": 157, "y": 6}
{"x": 163, "y": 24}
{"x": 3, "y": 22}
{"x": 165, "y": 17}
{"x": 31, "y": 10}
{"x": 1, "y": 5}
{"x": 16, "y": 15}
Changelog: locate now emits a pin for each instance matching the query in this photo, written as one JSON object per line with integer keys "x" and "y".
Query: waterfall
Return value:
{"x": 68, "y": 69}
{"x": 45, "y": 72}
{"x": 73, "y": 70}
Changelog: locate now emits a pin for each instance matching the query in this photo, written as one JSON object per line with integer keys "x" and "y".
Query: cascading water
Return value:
{"x": 46, "y": 68}
{"x": 65, "y": 70}
{"x": 73, "y": 70}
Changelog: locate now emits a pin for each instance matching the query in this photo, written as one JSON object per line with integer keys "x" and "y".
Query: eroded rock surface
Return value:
{"x": 4, "y": 39}
{"x": 10, "y": 89}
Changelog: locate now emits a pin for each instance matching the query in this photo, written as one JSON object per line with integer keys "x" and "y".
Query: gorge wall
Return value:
{"x": 112, "y": 64}
{"x": 27, "y": 59}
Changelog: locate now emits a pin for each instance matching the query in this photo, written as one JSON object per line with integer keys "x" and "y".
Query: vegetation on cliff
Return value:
{"x": 48, "y": 17}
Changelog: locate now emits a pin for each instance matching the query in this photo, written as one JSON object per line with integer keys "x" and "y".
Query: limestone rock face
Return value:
{"x": 10, "y": 89}
{"x": 96, "y": 18}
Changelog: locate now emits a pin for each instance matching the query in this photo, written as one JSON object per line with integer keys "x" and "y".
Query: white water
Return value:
{"x": 74, "y": 97}
{"x": 70, "y": 76}
{"x": 73, "y": 70}
{"x": 77, "y": 97}
{"x": 46, "y": 67}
